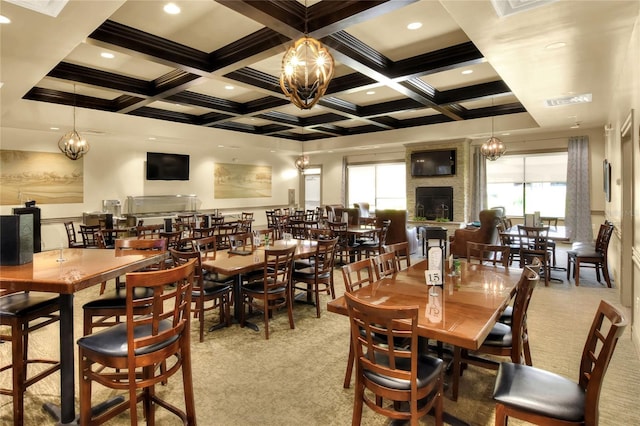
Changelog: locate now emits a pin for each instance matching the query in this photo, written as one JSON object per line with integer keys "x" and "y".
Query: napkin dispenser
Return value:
{"x": 16, "y": 242}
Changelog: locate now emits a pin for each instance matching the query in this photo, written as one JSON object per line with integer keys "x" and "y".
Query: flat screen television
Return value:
{"x": 433, "y": 163}
{"x": 162, "y": 166}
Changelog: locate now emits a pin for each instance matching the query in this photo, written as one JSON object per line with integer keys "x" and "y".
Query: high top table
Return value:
{"x": 65, "y": 272}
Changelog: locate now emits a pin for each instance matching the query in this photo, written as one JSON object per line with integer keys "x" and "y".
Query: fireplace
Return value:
{"x": 434, "y": 202}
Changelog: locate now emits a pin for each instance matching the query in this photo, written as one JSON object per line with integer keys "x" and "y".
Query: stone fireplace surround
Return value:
{"x": 459, "y": 182}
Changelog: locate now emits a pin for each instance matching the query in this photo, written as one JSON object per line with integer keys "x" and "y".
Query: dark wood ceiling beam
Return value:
{"x": 65, "y": 98}
{"x": 162, "y": 114}
{"x": 492, "y": 111}
{"x": 212, "y": 119}
{"x": 475, "y": 92}
{"x": 458, "y": 56}
{"x": 101, "y": 79}
{"x": 253, "y": 48}
{"x": 210, "y": 102}
{"x": 121, "y": 38}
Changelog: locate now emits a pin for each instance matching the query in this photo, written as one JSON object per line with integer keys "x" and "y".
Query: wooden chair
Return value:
{"x": 533, "y": 243}
{"x": 508, "y": 240}
{"x": 546, "y": 398}
{"x": 401, "y": 252}
{"x": 222, "y": 232}
{"x": 488, "y": 253}
{"x": 389, "y": 372}
{"x": 72, "y": 236}
{"x": 272, "y": 290}
{"x": 595, "y": 257}
{"x": 88, "y": 233}
{"x": 241, "y": 243}
{"x": 106, "y": 310}
{"x": 376, "y": 241}
{"x": 503, "y": 340}
{"x": 384, "y": 265}
{"x": 347, "y": 248}
{"x": 149, "y": 231}
{"x": 22, "y": 313}
{"x": 318, "y": 274}
{"x": 355, "y": 275}
{"x": 132, "y": 359}
{"x": 206, "y": 290}
{"x": 552, "y": 223}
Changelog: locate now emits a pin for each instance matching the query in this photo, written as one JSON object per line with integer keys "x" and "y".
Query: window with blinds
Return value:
{"x": 382, "y": 185}
{"x": 528, "y": 183}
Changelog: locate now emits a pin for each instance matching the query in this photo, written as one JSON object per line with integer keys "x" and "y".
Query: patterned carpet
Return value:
{"x": 296, "y": 376}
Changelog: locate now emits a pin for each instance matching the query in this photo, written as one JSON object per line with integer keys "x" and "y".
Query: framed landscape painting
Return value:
{"x": 241, "y": 181}
{"x": 44, "y": 177}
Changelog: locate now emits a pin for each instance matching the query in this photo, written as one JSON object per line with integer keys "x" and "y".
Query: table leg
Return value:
{"x": 65, "y": 414}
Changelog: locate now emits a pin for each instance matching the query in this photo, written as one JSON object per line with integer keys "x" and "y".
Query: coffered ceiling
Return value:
{"x": 217, "y": 63}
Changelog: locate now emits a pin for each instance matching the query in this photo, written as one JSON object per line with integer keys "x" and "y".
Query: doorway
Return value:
{"x": 312, "y": 188}
{"x": 628, "y": 237}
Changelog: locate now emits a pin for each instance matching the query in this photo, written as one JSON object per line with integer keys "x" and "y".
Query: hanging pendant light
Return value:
{"x": 72, "y": 144}
{"x": 493, "y": 148}
{"x": 307, "y": 69}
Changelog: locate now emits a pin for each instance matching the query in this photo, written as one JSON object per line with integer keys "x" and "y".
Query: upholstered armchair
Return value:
{"x": 487, "y": 233}
{"x": 398, "y": 230}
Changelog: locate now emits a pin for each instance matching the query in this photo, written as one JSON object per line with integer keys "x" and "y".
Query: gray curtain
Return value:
{"x": 578, "y": 205}
{"x": 478, "y": 184}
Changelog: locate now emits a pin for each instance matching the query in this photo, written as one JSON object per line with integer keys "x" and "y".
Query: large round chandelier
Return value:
{"x": 72, "y": 144}
{"x": 307, "y": 69}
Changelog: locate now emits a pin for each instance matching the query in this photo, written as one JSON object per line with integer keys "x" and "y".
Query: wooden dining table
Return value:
{"x": 65, "y": 272}
{"x": 556, "y": 233}
{"x": 227, "y": 263}
{"x": 461, "y": 312}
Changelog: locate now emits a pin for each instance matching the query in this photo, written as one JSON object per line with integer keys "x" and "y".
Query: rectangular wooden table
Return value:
{"x": 80, "y": 269}
{"x": 236, "y": 265}
{"x": 462, "y": 313}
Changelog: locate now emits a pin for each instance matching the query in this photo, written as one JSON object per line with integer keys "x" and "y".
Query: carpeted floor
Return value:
{"x": 296, "y": 376}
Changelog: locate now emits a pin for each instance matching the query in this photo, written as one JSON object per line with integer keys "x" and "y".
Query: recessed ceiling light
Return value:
{"x": 229, "y": 87}
{"x": 371, "y": 92}
{"x": 220, "y": 146}
{"x": 414, "y": 25}
{"x": 465, "y": 72}
{"x": 4, "y": 20}
{"x": 54, "y": 128}
{"x": 107, "y": 55}
{"x": 151, "y": 138}
{"x": 556, "y": 45}
{"x": 171, "y": 8}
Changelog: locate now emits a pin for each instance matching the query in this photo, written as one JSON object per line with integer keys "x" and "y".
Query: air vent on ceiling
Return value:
{"x": 511, "y": 7}
{"x": 47, "y": 7}
{"x": 569, "y": 100}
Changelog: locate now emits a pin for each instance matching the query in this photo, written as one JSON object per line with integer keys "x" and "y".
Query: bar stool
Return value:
{"x": 18, "y": 310}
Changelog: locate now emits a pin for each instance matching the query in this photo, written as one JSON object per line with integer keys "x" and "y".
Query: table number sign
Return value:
{"x": 434, "y": 275}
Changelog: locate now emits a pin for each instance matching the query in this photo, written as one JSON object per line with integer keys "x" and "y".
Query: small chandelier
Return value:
{"x": 307, "y": 69}
{"x": 302, "y": 162}
{"x": 72, "y": 144}
{"x": 493, "y": 148}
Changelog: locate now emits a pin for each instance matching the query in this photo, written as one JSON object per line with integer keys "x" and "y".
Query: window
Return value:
{"x": 528, "y": 183}
{"x": 382, "y": 185}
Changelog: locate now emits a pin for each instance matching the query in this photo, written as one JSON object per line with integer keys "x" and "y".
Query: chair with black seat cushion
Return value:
{"x": 355, "y": 275}
{"x": 401, "y": 251}
{"x": 384, "y": 265}
{"x": 223, "y": 231}
{"x": 510, "y": 241}
{"x": 106, "y": 310}
{"x": 272, "y": 290}
{"x": 545, "y": 398}
{"x": 126, "y": 356}
{"x": 319, "y": 274}
{"x": 88, "y": 233}
{"x": 72, "y": 236}
{"x": 503, "y": 340}
{"x": 204, "y": 290}
{"x": 149, "y": 231}
{"x": 594, "y": 257}
{"x": 23, "y": 313}
{"x": 488, "y": 254}
{"x": 389, "y": 372}
{"x": 552, "y": 223}
{"x": 534, "y": 244}
{"x": 347, "y": 248}
{"x": 373, "y": 244}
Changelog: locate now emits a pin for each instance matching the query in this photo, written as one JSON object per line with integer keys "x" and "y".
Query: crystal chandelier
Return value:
{"x": 72, "y": 144}
{"x": 307, "y": 69}
{"x": 493, "y": 148}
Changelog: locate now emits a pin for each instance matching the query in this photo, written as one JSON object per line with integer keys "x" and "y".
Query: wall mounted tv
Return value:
{"x": 433, "y": 163}
{"x": 162, "y": 166}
